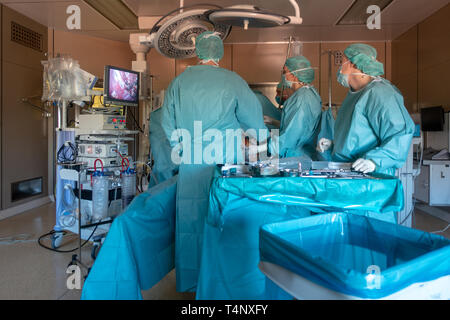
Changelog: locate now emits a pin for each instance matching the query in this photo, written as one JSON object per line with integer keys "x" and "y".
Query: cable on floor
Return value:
{"x": 443, "y": 230}
{"x": 64, "y": 233}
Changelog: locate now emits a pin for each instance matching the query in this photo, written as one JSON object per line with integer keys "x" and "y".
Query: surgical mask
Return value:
{"x": 343, "y": 78}
{"x": 287, "y": 83}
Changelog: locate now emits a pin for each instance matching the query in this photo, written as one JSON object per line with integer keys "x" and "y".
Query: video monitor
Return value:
{"x": 432, "y": 119}
{"x": 121, "y": 87}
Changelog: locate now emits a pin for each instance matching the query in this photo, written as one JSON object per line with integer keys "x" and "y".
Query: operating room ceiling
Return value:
{"x": 320, "y": 18}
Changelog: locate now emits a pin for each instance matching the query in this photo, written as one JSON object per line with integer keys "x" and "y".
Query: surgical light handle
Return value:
{"x": 295, "y": 19}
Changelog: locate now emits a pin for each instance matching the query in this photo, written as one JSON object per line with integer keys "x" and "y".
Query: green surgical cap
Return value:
{"x": 209, "y": 46}
{"x": 294, "y": 64}
{"x": 365, "y": 59}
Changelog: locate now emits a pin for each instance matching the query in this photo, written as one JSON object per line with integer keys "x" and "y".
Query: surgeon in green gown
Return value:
{"x": 163, "y": 168}
{"x": 300, "y": 119}
{"x": 280, "y": 98}
{"x": 373, "y": 129}
{"x": 203, "y": 111}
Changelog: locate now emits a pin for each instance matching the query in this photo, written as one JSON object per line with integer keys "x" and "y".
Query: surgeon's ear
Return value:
{"x": 355, "y": 67}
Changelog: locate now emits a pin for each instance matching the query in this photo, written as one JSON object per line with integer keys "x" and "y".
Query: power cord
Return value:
{"x": 443, "y": 230}
{"x": 64, "y": 233}
{"x": 136, "y": 124}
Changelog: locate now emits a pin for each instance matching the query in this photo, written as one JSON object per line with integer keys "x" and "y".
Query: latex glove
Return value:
{"x": 323, "y": 145}
{"x": 272, "y": 121}
{"x": 364, "y": 166}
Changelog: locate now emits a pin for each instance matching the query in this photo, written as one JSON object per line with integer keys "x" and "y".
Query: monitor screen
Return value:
{"x": 432, "y": 119}
{"x": 121, "y": 86}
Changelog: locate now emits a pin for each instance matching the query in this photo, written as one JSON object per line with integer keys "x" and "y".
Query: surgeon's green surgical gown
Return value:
{"x": 374, "y": 124}
{"x": 221, "y": 100}
{"x": 268, "y": 108}
{"x": 300, "y": 124}
{"x": 163, "y": 167}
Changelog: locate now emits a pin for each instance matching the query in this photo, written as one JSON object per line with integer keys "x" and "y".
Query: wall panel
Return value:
{"x": 93, "y": 53}
{"x": 434, "y": 59}
{"x": 24, "y": 129}
{"x": 405, "y": 67}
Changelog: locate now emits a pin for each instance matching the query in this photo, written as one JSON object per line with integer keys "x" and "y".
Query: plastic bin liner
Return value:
{"x": 139, "y": 249}
{"x": 337, "y": 251}
{"x": 321, "y": 195}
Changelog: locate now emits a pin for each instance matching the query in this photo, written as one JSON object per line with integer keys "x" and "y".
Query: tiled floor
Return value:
{"x": 28, "y": 271}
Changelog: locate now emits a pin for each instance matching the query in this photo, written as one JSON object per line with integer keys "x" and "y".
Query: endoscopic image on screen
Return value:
{"x": 123, "y": 85}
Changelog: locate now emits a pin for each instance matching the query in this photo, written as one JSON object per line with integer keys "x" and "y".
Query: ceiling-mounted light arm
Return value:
{"x": 149, "y": 40}
{"x": 296, "y": 19}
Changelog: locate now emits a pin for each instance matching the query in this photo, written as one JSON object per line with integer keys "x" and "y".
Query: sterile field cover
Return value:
{"x": 335, "y": 251}
{"x": 378, "y": 196}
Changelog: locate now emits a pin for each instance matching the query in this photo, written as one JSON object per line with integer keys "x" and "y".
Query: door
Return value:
{"x": 24, "y": 131}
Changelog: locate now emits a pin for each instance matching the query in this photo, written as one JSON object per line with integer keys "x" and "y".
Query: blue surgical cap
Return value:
{"x": 209, "y": 46}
